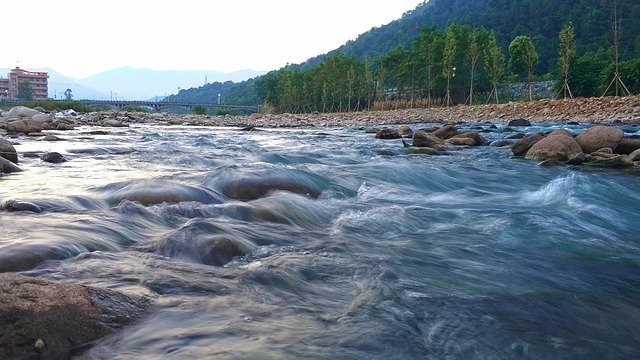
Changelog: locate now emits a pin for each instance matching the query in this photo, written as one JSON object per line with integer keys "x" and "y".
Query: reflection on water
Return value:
{"x": 353, "y": 250}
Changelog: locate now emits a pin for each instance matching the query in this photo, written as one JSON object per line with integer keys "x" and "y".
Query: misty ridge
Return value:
{"x": 128, "y": 83}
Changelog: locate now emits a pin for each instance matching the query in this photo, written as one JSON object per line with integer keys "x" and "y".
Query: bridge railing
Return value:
{"x": 156, "y": 105}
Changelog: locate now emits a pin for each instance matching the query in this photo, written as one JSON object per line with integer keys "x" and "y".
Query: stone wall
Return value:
{"x": 540, "y": 89}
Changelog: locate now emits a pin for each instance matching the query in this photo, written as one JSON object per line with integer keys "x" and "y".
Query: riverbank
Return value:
{"x": 606, "y": 110}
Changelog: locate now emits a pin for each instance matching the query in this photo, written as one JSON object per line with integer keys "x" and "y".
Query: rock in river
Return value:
{"x": 561, "y": 147}
{"x": 41, "y": 319}
{"x": 599, "y": 137}
{"x": 7, "y": 151}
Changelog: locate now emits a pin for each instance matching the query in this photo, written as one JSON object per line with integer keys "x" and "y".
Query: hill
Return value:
{"x": 540, "y": 20}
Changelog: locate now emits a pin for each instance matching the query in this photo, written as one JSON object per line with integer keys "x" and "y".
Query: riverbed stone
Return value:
{"x": 9, "y": 166}
{"x": 599, "y": 137}
{"x": 404, "y": 131}
{"x": 387, "y": 134}
{"x": 461, "y": 141}
{"x": 8, "y": 151}
{"x": 523, "y": 145}
{"x": 478, "y": 139}
{"x": 446, "y": 132}
{"x": 519, "y": 122}
{"x": 423, "y": 139}
{"x": 53, "y": 157}
{"x": 559, "y": 147}
{"x": 12, "y": 205}
{"x": 255, "y": 187}
{"x": 627, "y": 146}
{"x": 41, "y": 319}
{"x": 635, "y": 156}
{"x": 613, "y": 162}
{"x": 21, "y": 112}
{"x": 25, "y": 126}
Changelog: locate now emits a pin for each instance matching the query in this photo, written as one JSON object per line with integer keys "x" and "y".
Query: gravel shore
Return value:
{"x": 605, "y": 110}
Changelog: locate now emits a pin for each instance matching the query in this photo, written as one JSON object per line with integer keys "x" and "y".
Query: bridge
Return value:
{"x": 158, "y": 106}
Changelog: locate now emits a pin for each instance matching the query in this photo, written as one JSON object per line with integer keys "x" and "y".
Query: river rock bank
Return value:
{"x": 603, "y": 110}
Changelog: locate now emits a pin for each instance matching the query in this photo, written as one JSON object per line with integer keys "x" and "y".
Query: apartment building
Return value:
{"x": 10, "y": 86}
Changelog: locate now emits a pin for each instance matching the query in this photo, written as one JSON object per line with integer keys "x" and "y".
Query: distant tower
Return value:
{"x": 205, "y": 79}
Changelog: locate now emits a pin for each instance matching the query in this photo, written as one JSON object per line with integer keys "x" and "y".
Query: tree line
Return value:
{"x": 457, "y": 65}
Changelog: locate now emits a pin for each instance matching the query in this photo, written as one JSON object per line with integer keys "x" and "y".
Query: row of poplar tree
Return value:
{"x": 445, "y": 67}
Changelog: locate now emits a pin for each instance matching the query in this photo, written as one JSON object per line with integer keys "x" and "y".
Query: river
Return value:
{"x": 467, "y": 254}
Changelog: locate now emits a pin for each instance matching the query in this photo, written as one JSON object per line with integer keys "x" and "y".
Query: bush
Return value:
{"x": 221, "y": 112}
{"x": 199, "y": 109}
{"x": 135, "y": 109}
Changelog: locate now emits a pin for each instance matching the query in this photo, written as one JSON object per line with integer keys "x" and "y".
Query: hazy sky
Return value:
{"x": 81, "y": 38}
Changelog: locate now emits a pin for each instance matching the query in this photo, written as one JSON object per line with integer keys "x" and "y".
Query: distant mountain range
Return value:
{"x": 129, "y": 83}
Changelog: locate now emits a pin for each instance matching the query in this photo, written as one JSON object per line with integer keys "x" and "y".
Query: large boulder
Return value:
{"x": 423, "y": 139}
{"x": 21, "y": 112}
{"x": 446, "y": 132}
{"x": 559, "y": 147}
{"x": 41, "y": 319}
{"x": 200, "y": 241}
{"x": 463, "y": 139}
{"x": 8, "y": 166}
{"x": 405, "y": 131}
{"x": 519, "y": 122}
{"x": 523, "y": 145}
{"x": 627, "y": 146}
{"x": 388, "y": 134}
{"x": 254, "y": 187}
{"x": 53, "y": 157}
{"x": 24, "y": 125}
{"x": 599, "y": 137}
{"x": 7, "y": 151}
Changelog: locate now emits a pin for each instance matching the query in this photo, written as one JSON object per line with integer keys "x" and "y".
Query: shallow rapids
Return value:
{"x": 352, "y": 250}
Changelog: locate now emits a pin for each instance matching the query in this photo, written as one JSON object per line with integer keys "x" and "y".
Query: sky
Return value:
{"x": 82, "y": 38}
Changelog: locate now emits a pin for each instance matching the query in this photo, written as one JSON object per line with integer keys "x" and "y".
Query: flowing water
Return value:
{"x": 468, "y": 254}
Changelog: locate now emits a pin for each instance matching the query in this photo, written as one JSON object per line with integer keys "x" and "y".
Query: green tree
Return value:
{"x": 428, "y": 48}
{"x": 199, "y": 109}
{"x": 472, "y": 58}
{"x": 494, "y": 64}
{"x": 566, "y": 55}
{"x": 68, "y": 95}
{"x": 523, "y": 58}
{"x": 586, "y": 74}
{"x": 448, "y": 57}
{"x": 369, "y": 83}
{"x": 25, "y": 91}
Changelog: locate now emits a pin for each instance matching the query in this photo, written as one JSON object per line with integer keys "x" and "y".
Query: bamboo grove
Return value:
{"x": 457, "y": 65}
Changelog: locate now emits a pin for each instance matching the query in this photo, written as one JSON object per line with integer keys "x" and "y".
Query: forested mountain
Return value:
{"x": 396, "y": 55}
{"x": 542, "y": 20}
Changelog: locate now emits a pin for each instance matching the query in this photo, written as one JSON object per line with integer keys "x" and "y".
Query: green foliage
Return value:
{"x": 406, "y": 59}
{"x": 629, "y": 74}
{"x": 221, "y": 112}
{"x": 135, "y": 109}
{"x": 522, "y": 56}
{"x": 25, "y": 91}
{"x": 494, "y": 62}
{"x": 566, "y": 55}
{"x": 199, "y": 109}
